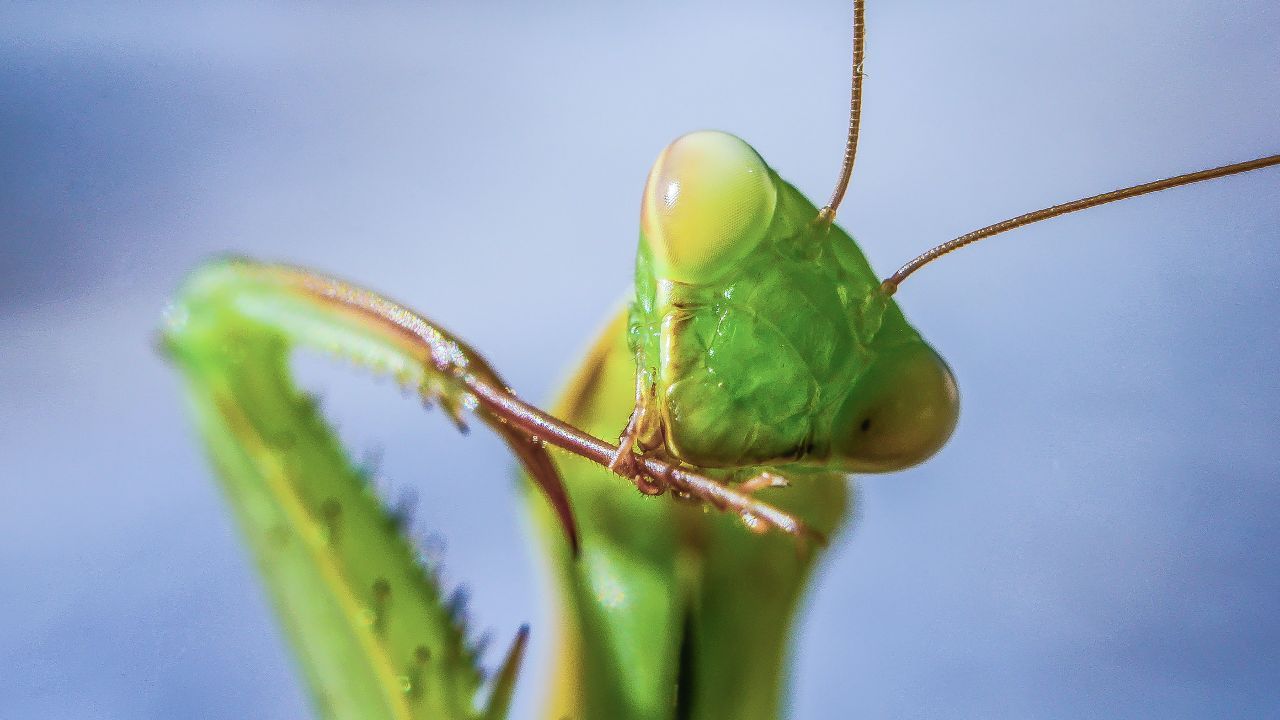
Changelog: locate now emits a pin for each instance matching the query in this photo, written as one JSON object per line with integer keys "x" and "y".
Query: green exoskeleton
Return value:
{"x": 760, "y": 351}
{"x": 761, "y": 336}
{"x": 759, "y": 343}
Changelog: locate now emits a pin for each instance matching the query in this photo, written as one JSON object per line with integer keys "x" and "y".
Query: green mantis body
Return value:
{"x": 767, "y": 345}
{"x": 663, "y": 596}
{"x": 758, "y": 342}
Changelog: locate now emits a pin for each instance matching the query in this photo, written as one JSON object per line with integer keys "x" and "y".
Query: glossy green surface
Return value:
{"x": 789, "y": 352}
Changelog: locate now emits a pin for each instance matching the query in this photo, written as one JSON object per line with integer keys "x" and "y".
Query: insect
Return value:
{"x": 648, "y": 515}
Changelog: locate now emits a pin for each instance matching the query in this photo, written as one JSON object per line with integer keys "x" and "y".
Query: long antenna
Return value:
{"x": 828, "y": 214}
{"x": 890, "y": 285}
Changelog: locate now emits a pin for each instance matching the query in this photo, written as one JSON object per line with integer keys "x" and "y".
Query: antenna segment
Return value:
{"x": 890, "y": 285}
{"x": 828, "y": 213}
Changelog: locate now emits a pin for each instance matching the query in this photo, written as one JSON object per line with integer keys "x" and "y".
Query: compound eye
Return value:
{"x": 900, "y": 414}
{"x": 708, "y": 202}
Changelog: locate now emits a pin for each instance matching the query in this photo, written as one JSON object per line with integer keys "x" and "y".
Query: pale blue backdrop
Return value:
{"x": 1098, "y": 540}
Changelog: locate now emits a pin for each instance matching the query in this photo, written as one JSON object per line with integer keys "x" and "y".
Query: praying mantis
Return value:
{"x": 616, "y": 665}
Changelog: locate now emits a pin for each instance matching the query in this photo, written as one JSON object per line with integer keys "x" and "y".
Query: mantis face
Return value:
{"x": 761, "y": 336}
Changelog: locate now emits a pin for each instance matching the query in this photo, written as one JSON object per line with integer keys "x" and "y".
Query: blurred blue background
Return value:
{"x": 1098, "y": 540}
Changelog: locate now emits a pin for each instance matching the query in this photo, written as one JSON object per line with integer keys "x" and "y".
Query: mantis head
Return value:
{"x": 766, "y": 335}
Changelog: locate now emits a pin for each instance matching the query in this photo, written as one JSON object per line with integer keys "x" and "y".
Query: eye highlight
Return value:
{"x": 708, "y": 202}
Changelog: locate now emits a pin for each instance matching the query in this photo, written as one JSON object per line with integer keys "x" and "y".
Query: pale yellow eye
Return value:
{"x": 708, "y": 202}
{"x": 901, "y": 412}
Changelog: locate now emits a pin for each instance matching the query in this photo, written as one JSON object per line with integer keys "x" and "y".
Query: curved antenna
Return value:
{"x": 890, "y": 285}
{"x": 827, "y": 214}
